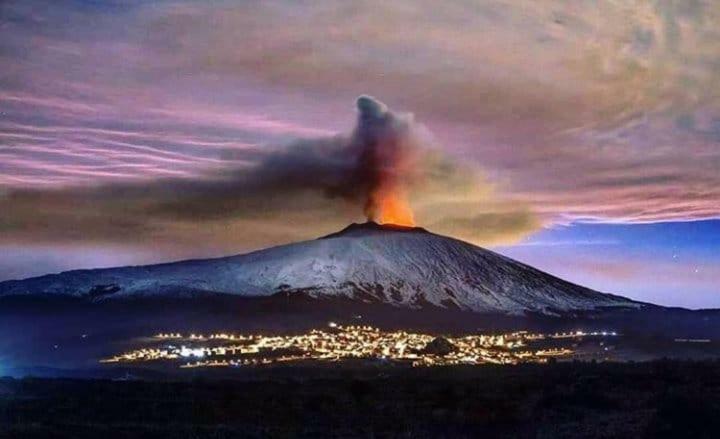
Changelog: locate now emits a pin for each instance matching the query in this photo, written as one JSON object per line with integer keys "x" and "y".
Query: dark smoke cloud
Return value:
{"x": 382, "y": 150}
{"x": 385, "y": 146}
{"x": 285, "y": 193}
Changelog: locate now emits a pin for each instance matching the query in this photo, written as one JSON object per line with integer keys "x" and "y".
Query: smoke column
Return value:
{"x": 385, "y": 164}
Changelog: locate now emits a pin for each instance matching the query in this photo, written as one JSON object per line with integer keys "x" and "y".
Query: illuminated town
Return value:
{"x": 338, "y": 343}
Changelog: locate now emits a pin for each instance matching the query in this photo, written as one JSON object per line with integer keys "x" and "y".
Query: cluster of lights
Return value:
{"x": 571, "y": 334}
{"x": 339, "y": 342}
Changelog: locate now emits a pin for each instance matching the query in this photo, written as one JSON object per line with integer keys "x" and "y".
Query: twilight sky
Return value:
{"x": 580, "y": 137}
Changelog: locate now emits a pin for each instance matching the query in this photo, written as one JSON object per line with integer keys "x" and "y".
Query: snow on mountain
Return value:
{"x": 402, "y": 266}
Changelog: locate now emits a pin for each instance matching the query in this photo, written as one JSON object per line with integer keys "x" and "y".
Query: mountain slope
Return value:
{"x": 401, "y": 266}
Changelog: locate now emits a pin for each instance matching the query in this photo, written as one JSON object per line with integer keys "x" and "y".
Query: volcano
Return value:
{"x": 401, "y": 266}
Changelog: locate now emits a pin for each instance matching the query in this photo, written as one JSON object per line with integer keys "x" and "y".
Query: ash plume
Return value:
{"x": 384, "y": 146}
{"x": 373, "y": 168}
{"x": 307, "y": 188}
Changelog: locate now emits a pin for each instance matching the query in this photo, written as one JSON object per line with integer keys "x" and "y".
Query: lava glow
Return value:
{"x": 389, "y": 205}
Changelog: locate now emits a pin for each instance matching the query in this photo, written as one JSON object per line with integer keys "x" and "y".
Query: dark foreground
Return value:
{"x": 655, "y": 399}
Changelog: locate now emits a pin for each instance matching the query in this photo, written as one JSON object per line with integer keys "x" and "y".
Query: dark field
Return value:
{"x": 655, "y": 399}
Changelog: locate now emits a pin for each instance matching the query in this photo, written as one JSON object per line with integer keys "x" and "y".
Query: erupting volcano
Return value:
{"x": 386, "y": 260}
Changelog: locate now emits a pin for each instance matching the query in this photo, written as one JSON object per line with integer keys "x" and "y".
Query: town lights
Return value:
{"x": 354, "y": 342}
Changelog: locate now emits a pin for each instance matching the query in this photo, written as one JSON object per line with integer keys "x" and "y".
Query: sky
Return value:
{"x": 580, "y": 137}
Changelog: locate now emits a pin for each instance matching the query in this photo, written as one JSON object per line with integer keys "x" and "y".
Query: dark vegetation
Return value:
{"x": 297, "y": 311}
{"x": 660, "y": 399}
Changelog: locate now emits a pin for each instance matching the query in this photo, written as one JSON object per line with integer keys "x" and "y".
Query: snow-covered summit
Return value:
{"x": 401, "y": 266}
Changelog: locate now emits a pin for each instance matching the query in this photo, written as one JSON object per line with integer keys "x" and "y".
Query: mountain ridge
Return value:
{"x": 397, "y": 265}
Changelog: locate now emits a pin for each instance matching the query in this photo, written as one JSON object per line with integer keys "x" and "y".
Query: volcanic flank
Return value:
{"x": 401, "y": 266}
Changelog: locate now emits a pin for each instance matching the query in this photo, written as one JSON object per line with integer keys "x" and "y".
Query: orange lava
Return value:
{"x": 390, "y": 206}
